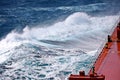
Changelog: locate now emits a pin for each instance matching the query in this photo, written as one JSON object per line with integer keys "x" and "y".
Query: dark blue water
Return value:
{"x": 50, "y": 39}
{"x": 17, "y": 14}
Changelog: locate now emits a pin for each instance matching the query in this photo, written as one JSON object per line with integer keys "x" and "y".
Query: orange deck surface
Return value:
{"x": 110, "y": 66}
{"x": 108, "y": 62}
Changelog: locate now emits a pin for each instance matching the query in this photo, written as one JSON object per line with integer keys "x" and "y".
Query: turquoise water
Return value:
{"x": 49, "y": 40}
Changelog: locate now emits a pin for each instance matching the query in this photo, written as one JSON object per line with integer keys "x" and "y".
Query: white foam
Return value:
{"x": 78, "y": 26}
{"x": 74, "y": 25}
{"x": 4, "y": 57}
{"x": 92, "y": 53}
{"x": 89, "y": 7}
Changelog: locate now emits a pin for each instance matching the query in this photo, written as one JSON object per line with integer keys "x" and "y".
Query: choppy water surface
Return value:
{"x": 49, "y": 40}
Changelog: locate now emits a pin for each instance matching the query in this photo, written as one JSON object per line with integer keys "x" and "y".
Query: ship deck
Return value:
{"x": 110, "y": 66}
{"x": 107, "y": 65}
{"x": 108, "y": 62}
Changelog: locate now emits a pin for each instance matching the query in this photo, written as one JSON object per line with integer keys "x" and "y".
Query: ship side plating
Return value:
{"x": 106, "y": 66}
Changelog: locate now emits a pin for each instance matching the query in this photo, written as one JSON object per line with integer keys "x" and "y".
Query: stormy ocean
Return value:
{"x": 51, "y": 39}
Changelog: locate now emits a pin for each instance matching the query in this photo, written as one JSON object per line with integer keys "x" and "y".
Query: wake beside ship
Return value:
{"x": 106, "y": 66}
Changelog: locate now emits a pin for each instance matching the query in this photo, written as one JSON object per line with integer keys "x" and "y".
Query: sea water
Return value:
{"x": 49, "y": 40}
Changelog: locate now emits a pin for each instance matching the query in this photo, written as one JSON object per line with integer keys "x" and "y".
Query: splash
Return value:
{"x": 77, "y": 26}
{"x": 76, "y": 39}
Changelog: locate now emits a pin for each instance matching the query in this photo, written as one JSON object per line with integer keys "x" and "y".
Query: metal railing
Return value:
{"x": 104, "y": 42}
{"x": 110, "y": 33}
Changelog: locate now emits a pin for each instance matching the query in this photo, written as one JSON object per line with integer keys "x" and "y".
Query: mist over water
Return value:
{"x": 49, "y": 42}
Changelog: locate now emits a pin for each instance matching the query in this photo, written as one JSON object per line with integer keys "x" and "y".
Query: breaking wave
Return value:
{"x": 53, "y": 52}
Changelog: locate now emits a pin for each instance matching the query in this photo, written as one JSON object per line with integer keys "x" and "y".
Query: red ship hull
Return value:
{"x": 108, "y": 61}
